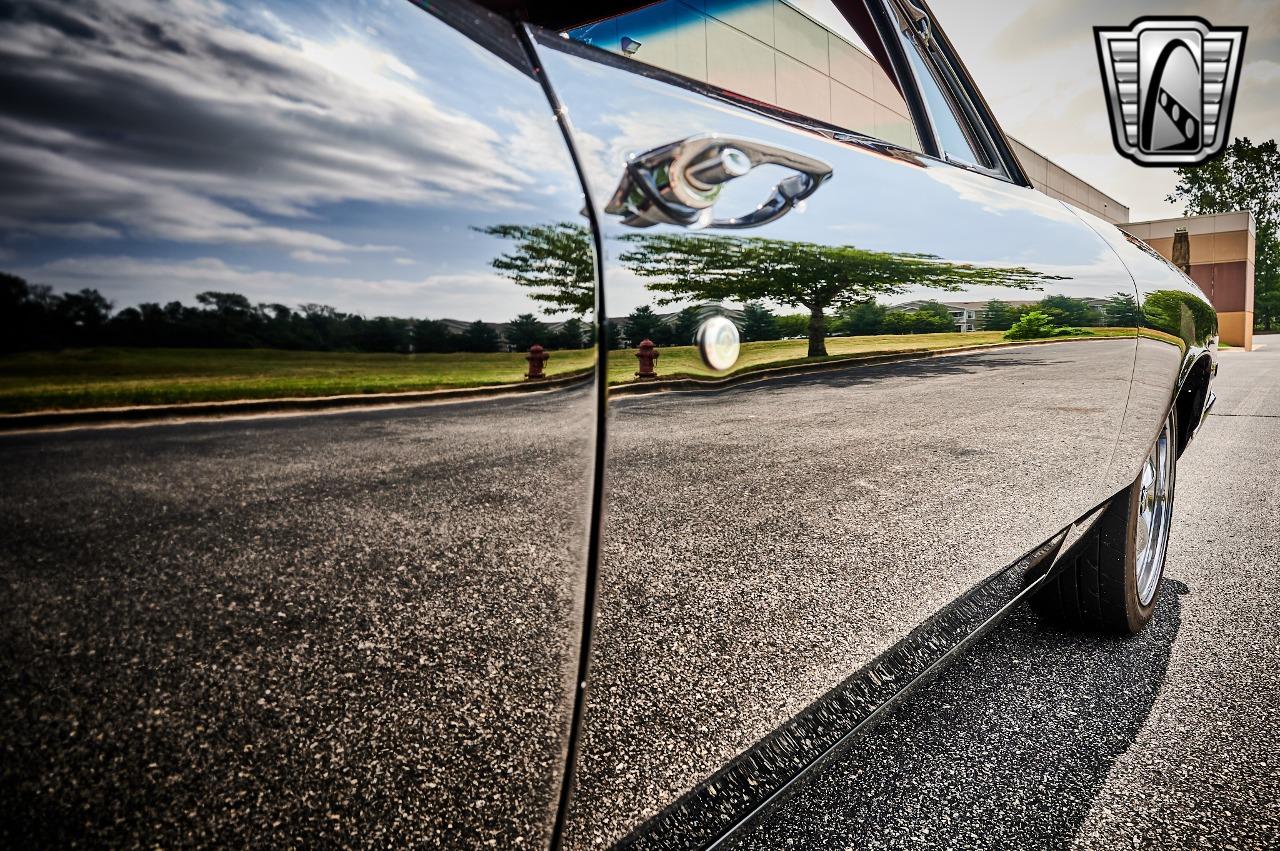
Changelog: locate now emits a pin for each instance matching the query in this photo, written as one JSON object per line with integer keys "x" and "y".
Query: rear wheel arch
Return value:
{"x": 1193, "y": 391}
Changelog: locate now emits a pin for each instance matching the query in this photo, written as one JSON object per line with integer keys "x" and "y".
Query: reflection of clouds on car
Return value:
{"x": 258, "y": 139}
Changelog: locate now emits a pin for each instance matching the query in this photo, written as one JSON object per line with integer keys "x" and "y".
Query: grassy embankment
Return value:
{"x": 106, "y": 377}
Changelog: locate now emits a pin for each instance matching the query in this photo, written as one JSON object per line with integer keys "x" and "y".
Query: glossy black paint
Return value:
{"x": 319, "y": 624}
{"x": 659, "y": 721}
{"x": 597, "y": 611}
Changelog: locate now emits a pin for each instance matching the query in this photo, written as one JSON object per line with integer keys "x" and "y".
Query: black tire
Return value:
{"x": 1096, "y": 587}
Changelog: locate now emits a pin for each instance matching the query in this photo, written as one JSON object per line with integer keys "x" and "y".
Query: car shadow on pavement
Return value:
{"x": 1006, "y": 749}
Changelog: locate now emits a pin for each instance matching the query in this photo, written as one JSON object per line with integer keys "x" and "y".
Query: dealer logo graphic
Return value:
{"x": 1170, "y": 83}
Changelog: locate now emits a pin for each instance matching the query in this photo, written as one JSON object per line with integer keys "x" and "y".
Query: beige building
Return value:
{"x": 1056, "y": 182}
{"x": 800, "y": 56}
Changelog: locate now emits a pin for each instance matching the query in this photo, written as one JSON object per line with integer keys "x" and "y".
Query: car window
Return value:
{"x": 800, "y": 55}
{"x": 954, "y": 119}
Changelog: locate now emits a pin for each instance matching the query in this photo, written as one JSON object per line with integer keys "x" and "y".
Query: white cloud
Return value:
{"x": 308, "y": 256}
{"x": 190, "y": 129}
{"x": 70, "y": 230}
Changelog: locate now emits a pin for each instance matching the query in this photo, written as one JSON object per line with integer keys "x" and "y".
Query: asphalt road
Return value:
{"x": 317, "y": 631}
{"x": 1047, "y": 739}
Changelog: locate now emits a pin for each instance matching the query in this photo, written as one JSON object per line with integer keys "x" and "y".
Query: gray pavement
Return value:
{"x": 1046, "y": 739}
{"x": 317, "y": 631}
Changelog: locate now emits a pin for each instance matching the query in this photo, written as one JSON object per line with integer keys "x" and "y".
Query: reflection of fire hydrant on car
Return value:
{"x": 537, "y": 357}
{"x": 647, "y": 353}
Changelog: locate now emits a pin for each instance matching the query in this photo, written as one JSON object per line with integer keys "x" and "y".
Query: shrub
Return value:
{"x": 1036, "y": 325}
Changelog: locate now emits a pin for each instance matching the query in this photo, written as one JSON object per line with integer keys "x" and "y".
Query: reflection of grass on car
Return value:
{"x": 107, "y": 377}
{"x": 88, "y": 378}
{"x": 684, "y": 362}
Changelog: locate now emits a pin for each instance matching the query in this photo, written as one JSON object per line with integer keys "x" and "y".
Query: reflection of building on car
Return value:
{"x": 1222, "y": 263}
{"x": 809, "y": 61}
{"x": 802, "y": 56}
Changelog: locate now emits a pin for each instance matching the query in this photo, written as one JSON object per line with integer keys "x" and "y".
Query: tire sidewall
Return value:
{"x": 1136, "y": 614}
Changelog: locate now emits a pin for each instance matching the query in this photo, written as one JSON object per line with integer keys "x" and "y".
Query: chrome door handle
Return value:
{"x": 679, "y": 183}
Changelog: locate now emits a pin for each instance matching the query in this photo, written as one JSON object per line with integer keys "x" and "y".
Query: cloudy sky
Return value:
{"x": 1038, "y": 68}
{"x": 347, "y": 154}
{"x": 343, "y": 155}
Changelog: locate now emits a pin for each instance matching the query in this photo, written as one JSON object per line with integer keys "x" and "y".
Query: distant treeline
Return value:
{"x": 34, "y": 317}
{"x": 757, "y": 322}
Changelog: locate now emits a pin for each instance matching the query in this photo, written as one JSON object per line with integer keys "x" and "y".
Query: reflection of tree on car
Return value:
{"x": 555, "y": 261}
{"x": 1180, "y": 314}
{"x": 802, "y": 274}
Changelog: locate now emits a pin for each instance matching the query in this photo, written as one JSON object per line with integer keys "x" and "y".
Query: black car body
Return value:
{"x": 589, "y": 609}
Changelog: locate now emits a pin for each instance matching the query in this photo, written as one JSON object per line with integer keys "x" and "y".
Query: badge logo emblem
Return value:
{"x": 1170, "y": 85}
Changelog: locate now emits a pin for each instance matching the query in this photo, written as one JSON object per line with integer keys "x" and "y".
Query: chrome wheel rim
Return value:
{"x": 1155, "y": 510}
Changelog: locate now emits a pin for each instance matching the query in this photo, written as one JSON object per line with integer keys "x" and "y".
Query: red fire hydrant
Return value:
{"x": 537, "y": 357}
{"x": 648, "y": 353}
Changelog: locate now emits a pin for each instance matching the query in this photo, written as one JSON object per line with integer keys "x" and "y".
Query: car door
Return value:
{"x": 349, "y": 619}
{"x": 788, "y": 543}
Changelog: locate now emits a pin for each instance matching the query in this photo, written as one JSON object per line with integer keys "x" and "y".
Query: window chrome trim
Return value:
{"x": 969, "y": 108}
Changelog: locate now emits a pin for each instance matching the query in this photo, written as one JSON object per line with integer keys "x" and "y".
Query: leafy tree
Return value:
{"x": 524, "y": 331}
{"x": 1180, "y": 314}
{"x": 928, "y": 318}
{"x": 862, "y": 318}
{"x": 25, "y": 318}
{"x": 685, "y": 327}
{"x": 225, "y": 303}
{"x": 1245, "y": 177}
{"x": 383, "y": 334}
{"x": 999, "y": 316}
{"x": 899, "y": 322}
{"x": 479, "y": 337}
{"x": 758, "y": 323}
{"x": 801, "y": 274}
{"x": 613, "y": 334}
{"x": 433, "y": 335}
{"x": 14, "y": 292}
{"x": 937, "y": 315}
{"x": 643, "y": 324}
{"x": 1122, "y": 311}
{"x": 793, "y": 325}
{"x": 572, "y": 335}
{"x": 1065, "y": 311}
{"x": 557, "y": 261}
{"x": 86, "y": 311}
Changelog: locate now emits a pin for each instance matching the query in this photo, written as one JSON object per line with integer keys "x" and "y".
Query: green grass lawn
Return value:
{"x": 90, "y": 378}
{"x": 107, "y": 377}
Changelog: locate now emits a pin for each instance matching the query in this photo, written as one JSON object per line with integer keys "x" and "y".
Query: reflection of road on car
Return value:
{"x": 748, "y": 380}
